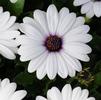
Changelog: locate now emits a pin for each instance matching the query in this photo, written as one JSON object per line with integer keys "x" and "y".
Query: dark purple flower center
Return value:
{"x": 53, "y": 43}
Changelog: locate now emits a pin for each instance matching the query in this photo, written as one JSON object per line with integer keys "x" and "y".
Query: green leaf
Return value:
{"x": 3, "y": 1}
{"x": 16, "y": 8}
{"x": 96, "y": 43}
{"x": 98, "y": 66}
{"x": 24, "y": 78}
{"x": 98, "y": 78}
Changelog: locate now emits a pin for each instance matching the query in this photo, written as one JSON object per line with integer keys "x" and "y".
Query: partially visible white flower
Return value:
{"x": 54, "y": 42}
{"x": 8, "y": 33}
{"x": 66, "y": 94}
{"x": 13, "y": 1}
{"x": 89, "y": 7}
{"x": 8, "y": 91}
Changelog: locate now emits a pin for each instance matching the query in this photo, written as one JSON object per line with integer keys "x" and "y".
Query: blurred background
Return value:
{"x": 89, "y": 78}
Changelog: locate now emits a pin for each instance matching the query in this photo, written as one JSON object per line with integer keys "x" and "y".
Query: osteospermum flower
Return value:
{"x": 66, "y": 94}
{"x": 7, "y": 91}
{"x": 89, "y": 7}
{"x": 8, "y": 33}
{"x": 54, "y": 43}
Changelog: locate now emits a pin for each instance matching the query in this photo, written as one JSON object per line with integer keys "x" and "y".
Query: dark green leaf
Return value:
{"x": 17, "y": 8}
{"x": 24, "y": 78}
{"x": 98, "y": 78}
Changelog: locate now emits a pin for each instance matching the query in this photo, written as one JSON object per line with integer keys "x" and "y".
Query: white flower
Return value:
{"x": 54, "y": 43}
{"x": 13, "y": 1}
{"x": 89, "y": 7}
{"x": 7, "y": 91}
{"x": 8, "y": 33}
{"x": 66, "y": 94}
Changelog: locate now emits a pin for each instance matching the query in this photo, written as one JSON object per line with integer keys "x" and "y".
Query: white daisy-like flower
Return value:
{"x": 8, "y": 33}
{"x": 54, "y": 43}
{"x": 7, "y": 91}
{"x": 66, "y": 94}
{"x": 13, "y": 1}
{"x": 89, "y": 7}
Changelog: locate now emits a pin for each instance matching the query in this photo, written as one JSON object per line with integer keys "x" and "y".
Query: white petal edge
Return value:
{"x": 52, "y": 19}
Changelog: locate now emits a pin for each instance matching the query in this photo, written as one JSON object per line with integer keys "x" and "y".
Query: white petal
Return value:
{"x": 41, "y": 71}
{"x": 71, "y": 67}
{"x": 30, "y": 31}
{"x": 52, "y": 18}
{"x": 10, "y": 23}
{"x": 6, "y": 52}
{"x": 62, "y": 67}
{"x": 77, "y": 47}
{"x": 91, "y": 98}
{"x": 10, "y": 43}
{"x": 76, "y": 93}
{"x": 79, "y": 51}
{"x": 71, "y": 70}
{"x": 4, "y": 17}
{"x": 83, "y": 29}
{"x": 67, "y": 92}
{"x": 13, "y": 1}
{"x": 15, "y": 26}
{"x": 36, "y": 24}
{"x": 25, "y": 40}
{"x": 14, "y": 49}
{"x": 84, "y": 94}
{"x": 79, "y": 66}
{"x": 86, "y": 7}
{"x": 40, "y": 98}
{"x": 4, "y": 82}
{"x": 29, "y": 52}
{"x": 19, "y": 95}
{"x": 90, "y": 13}
{"x": 80, "y": 2}
{"x": 63, "y": 12}
{"x": 97, "y": 9}
{"x": 79, "y": 21}
{"x": 66, "y": 23}
{"x": 85, "y": 38}
{"x": 0, "y": 81}
{"x": 28, "y": 20}
{"x": 37, "y": 62}
{"x": 73, "y": 62}
{"x": 54, "y": 94}
{"x": 51, "y": 66}
{"x": 1, "y": 9}
{"x": 9, "y": 89}
{"x": 82, "y": 57}
{"x": 9, "y": 34}
{"x": 40, "y": 16}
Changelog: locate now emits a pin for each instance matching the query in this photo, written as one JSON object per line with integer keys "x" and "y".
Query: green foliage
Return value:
{"x": 98, "y": 79}
{"x": 15, "y": 9}
{"x": 24, "y": 78}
